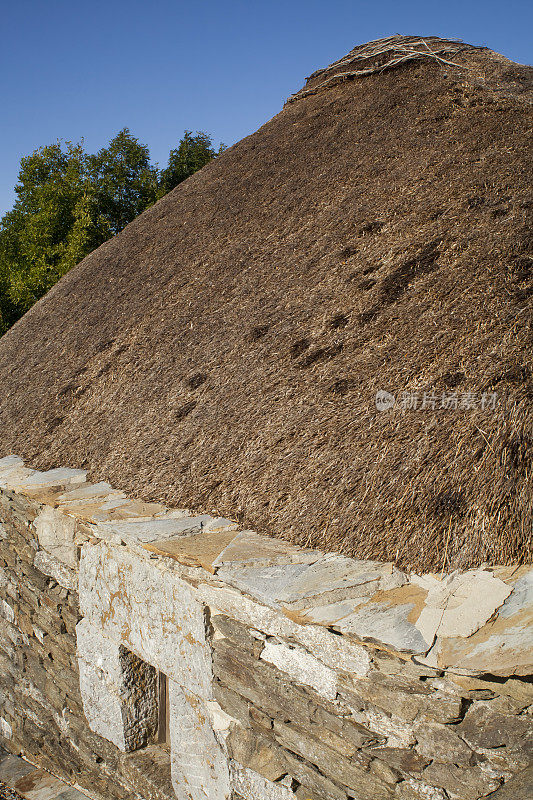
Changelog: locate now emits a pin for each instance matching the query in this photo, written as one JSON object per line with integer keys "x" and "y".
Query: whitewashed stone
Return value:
{"x": 6, "y": 730}
{"x": 335, "y": 651}
{"x": 461, "y": 604}
{"x": 56, "y": 533}
{"x": 51, "y": 566}
{"x": 198, "y": 763}
{"x": 220, "y": 721}
{"x": 302, "y": 668}
{"x": 119, "y": 691}
{"x": 6, "y": 611}
{"x": 144, "y": 604}
{"x": 100, "y": 679}
{"x": 252, "y": 786}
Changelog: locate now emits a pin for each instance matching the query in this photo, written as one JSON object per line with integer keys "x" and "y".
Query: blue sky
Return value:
{"x": 74, "y": 70}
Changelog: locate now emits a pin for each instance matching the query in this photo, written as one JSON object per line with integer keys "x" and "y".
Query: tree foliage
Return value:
{"x": 68, "y": 202}
{"x": 192, "y": 154}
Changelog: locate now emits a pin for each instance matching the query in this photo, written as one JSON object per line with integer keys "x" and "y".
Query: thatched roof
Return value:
{"x": 225, "y": 350}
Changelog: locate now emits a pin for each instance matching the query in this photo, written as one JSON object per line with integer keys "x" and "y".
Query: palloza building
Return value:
{"x": 266, "y": 494}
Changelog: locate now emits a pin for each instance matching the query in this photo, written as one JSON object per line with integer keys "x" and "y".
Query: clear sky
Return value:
{"x": 74, "y": 69}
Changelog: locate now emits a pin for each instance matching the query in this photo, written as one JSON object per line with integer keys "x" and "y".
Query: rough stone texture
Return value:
{"x": 199, "y": 766}
{"x": 51, "y": 566}
{"x": 415, "y": 691}
{"x": 461, "y": 605}
{"x": 302, "y": 667}
{"x": 148, "y": 608}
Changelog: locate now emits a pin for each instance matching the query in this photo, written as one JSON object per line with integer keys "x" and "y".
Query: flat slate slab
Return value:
{"x": 32, "y": 783}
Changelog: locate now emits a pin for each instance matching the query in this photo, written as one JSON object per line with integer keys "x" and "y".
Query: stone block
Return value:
{"x": 199, "y": 766}
{"x": 466, "y": 783}
{"x": 302, "y": 667}
{"x": 441, "y": 743}
{"x": 56, "y": 533}
{"x": 249, "y": 785}
{"x": 144, "y": 605}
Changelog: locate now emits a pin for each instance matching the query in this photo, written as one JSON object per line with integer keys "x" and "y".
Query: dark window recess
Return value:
{"x": 140, "y": 701}
{"x": 163, "y": 727}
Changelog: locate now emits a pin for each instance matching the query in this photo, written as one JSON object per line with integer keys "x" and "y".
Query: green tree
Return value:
{"x": 124, "y": 181}
{"x": 192, "y": 153}
{"x": 49, "y": 229}
{"x": 69, "y": 202}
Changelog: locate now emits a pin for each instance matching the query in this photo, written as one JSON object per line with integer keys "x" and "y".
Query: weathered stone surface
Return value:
{"x": 52, "y": 477}
{"x": 466, "y": 783}
{"x": 440, "y": 743}
{"x": 256, "y": 752}
{"x": 153, "y": 529}
{"x": 252, "y": 786}
{"x": 260, "y": 683}
{"x": 231, "y": 702}
{"x": 238, "y": 633}
{"x": 10, "y": 462}
{"x": 403, "y": 759}
{"x": 249, "y": 548}
{"x": 389, "y": 619}
{"x": 111, "y": 509}
{"x": 200, "y": 768}
{"x": 391, "y": 732}
{"x": 353, "y": 734}
{"x": 148, "y": 608}
{"x": 485, "y": 729}
{"x": 412, "y": 789}
{"x": 405, "y": 699}
{"x": 302, "y": 667}
{"x": 520, "y": 787}
{"x": 39, "y": 785}
{"x": 334, "y": 573}
{"x": 7, "y": 611}
{"x": 139, "y": 698}
{"x": 100, "y": 679}
{"x": 57, "y": 536}
{"x": 265, "y": 584}
{"x": 197, "y": 550}
{"x": 348, "y": 773}
{"x": 504, "y": 646}
{"x": 461, "y": 604}
{"x": 313, "y": 779}
{"x": 90, "y": 491}
{"x": 326, "y": 646}
{"x": 335, "y": 651}
{"x": 51, "y": 566}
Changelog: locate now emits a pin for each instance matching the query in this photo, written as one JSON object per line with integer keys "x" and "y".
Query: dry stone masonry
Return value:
{"x": 152, "y": 653}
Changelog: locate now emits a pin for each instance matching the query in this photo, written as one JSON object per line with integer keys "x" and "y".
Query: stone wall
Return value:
{"x": 289, "y": 673}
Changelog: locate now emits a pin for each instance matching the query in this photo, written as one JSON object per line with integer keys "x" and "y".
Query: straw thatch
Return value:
{"x": 225, "y": 350}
